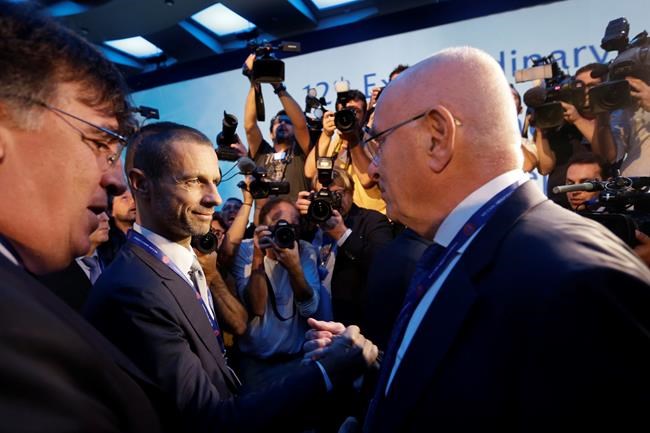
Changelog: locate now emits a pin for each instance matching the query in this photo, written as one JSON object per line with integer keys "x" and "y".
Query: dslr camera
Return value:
{"x": 324, "y": 201}
{"x": 267, "y": 68}
{"x": 226, "y": 137}
{"x": 346, "y": 118}
{"x": 283, "y": 234}
{"x": 633, "y": 60}
{"x": 206, "y": 243}
{"x": 261, "y": 186}
{"x": 559, "y": 87}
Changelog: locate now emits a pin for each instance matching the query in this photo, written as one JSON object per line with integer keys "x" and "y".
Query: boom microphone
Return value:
{"x": 246, "y": 165}
{"x": 586, "y": 186}
{"x": 535, "y": 97}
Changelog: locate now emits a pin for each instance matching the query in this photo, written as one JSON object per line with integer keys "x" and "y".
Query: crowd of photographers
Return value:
{"x": 161, "y": 261}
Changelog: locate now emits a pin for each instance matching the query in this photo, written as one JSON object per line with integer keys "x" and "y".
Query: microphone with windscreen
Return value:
{"x": 246, "y": 165}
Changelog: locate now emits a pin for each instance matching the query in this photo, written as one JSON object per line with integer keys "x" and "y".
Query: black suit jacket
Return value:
{"x": 388, "y": 278}
{"x": 541, "y": 326}
{"x": 58, "y": 374}
{"x": 371, "y": 230}
{"x": 153, "y": 315}
{"x": 70, "y": 284}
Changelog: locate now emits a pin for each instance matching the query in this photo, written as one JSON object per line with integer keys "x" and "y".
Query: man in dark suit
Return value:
{"x": 522, "y": 316}
{"x": 59, "y": 156}
{"x": 154, "y": 302}
{"x": 347, "y": 243}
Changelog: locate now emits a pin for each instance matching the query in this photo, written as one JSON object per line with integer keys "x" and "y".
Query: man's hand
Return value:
{"x": 303, "y": 202}
{"x": 248, "y": 64}
{"x": 334, "y": 226}
{"x": 643, "y": 249}
{"x": 240, "y": 148}
{"x": 262, "y": 238}
{"x": 289, "y": 257}
{"x": 328, "y": 123}
{"x": 640, "y": 91}
{"x": 208, "y": 263}
{"x": 571, "y": 113}
{"x": 374, "y": 95}
{"x": 319, "y": 337}
{"x": 348, "y": 356}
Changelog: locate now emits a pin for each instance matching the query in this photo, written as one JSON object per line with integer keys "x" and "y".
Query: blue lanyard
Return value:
{"x": 476, "y": 221}
{"x": 152, "y": 249}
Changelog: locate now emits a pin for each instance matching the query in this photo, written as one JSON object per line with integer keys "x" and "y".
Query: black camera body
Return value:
{"x": 623, "y": 206}
{"x": 346, "y": 120}
{"x": 546, "y": 103}
{"x": 322, "y": 204}
{"x": 633, "y": 60}
{"x": 261, "y": 187}
{"x": 284, "y": 234}
{"x": 226, "y": 137}
{"x": 206, "y": 243}
{"x": 267, "y": 68}
{"x": 324, "y": 201}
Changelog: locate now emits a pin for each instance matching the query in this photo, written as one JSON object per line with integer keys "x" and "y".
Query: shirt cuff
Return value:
{"x": 345, "y": 237}
{"x": 326, "y": 378}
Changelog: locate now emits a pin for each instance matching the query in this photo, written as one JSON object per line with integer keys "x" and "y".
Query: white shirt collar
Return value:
{"x": 181, "y": 256}
{"x": 457, "y": 218}
{"x": 8, "y": 254}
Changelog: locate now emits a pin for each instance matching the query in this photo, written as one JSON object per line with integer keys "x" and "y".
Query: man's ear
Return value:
{"x": 442, "y": 131}
{"x": 139, "y": 182}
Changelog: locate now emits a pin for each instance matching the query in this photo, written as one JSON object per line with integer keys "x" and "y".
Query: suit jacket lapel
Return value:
{"x": 186, "y": 299}
{"x": 444, "y": 318}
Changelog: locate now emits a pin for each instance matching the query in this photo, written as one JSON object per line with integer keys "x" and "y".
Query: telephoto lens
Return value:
{"x": 284, "y": 235}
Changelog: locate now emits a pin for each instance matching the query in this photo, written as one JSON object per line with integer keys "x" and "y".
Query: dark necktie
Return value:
{"x": 417, "y": 288}
{"x": 93, "y": 265}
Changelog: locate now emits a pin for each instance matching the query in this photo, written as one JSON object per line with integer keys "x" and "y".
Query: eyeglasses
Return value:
{"x": 102, "y": 147}
{"x": 374, "y": 142}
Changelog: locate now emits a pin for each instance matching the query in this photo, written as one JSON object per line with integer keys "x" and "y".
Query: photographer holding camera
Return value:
{"x": 340, "y": 140}
{"x": 624, "y": 134}
{"x": 347, "y": 238}
{"x": 277, "y": 281}
{"x": 285, "y": 158}
{"x": 556, "y": 145}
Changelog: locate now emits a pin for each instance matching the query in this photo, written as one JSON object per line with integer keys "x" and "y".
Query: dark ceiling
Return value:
{"x": 190, "y": 50}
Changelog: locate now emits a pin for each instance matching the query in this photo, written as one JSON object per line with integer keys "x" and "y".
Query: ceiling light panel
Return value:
{"x": 137, "y": 47}
{"x": 327, "y": 4}
{"x": 221, "y": 20}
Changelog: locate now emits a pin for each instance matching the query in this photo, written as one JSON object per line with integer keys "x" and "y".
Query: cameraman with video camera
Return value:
{"x": 277, "y": 281}
{"x": 340, "y": 140}
{"x": 347, "y": 238}
{"x": 557, "y": 144}
{"x": 284, "y": 159}
{"x": 624, "y": 134}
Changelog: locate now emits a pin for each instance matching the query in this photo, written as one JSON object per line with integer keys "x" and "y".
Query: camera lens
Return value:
{"x": 320, "y": 210}
{"x": 284, "y": 236}
{"x": 345, "y": 120}
{"x": 206, "y": 243}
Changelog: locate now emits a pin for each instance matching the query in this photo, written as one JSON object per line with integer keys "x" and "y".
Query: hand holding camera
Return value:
{"x": 328, "y": 123}
{"x": 640, "y": 91}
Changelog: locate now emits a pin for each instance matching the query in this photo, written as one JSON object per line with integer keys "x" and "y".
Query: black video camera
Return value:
{"x": 206, "y": 243}
{"x": 633, "y": 60}
{"x": 284, "y": 234}
{"x": 546, "y": 102}
{"x": 623, "y": 205}
{"x": 267, "y": 68}
{"x": 226, "y": 137}
{"x": 324, "y": 201}
{"x": 261, "y": 187}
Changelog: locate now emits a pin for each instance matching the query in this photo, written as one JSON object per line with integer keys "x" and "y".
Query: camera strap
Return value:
{"x": 274, "y": 303}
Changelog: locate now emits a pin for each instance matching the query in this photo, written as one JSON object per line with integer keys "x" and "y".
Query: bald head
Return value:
{"x": 472, "y": 86}
{"x": 456, "y": 130}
